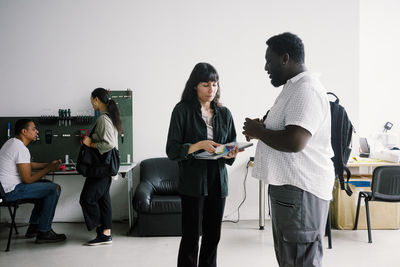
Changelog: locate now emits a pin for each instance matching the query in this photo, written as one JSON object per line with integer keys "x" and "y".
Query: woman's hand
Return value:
{"x": 233, "y": 153}
{"x": 87, "y": 141}
{"x": 207, "y": 145}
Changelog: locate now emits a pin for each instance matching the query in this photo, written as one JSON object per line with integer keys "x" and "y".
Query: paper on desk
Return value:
{"x": 387, "y": 155}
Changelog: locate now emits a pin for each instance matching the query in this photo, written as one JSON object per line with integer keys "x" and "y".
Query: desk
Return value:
{"x": 125, "y": 171}
{"x": 368, "y": 163}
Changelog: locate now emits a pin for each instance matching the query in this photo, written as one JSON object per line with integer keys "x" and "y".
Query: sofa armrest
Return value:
{"x": 142, "y": 197}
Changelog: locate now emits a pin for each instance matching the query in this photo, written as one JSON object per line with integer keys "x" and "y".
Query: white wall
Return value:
{"x": 54, "y": 53}
{"x": 379, "y": 71}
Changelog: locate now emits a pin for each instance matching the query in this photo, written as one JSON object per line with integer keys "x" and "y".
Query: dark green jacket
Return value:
{"x": 188, "y": 127}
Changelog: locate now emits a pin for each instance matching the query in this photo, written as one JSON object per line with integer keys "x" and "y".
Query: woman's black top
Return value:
{"x": 188, "y": 127}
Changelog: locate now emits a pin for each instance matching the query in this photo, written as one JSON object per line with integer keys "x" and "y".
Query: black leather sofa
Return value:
{"x": 156, "y": 199}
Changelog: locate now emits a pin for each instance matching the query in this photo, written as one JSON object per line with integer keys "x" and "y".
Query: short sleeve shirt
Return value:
{"x": 13, "y": 152}
{"x": 303, "y": 102}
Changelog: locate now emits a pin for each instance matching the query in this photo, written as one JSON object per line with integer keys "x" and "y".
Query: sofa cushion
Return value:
{"x": 165, "y": 204}
{"x": 162, "y": 173}
{"x": 166, "y": 187}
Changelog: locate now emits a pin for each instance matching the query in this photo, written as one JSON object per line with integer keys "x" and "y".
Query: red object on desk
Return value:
{"x": 62, "y": 167}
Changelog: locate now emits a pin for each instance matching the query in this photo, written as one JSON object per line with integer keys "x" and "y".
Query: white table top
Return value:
{"x": 123, "y": 168}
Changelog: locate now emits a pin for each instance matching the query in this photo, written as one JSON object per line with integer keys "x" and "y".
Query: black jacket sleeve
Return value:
{"x": 176, "y": 148}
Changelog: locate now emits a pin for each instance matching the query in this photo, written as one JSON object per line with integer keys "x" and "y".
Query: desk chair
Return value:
{"x": 328, "y": 229}
{"x": 10, "y": 205}
{"x": 385, "y": 186}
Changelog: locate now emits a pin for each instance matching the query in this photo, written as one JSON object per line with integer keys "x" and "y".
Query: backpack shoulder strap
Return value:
{"x": 338, "y": 118}
{"x": 337, "y": 98}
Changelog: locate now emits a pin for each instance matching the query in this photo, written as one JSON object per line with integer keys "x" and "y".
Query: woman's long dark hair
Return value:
{"x": 202, "y": 72}
{"x": 112, "y": 108}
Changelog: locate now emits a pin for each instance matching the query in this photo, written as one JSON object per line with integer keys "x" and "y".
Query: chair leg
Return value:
{"x": 12, "y": 226}
{"x": 15, "y": 225}
{"x": 358, "y": 211}
{"x": 368, "y": 220}
{"x": 328, "y": 230}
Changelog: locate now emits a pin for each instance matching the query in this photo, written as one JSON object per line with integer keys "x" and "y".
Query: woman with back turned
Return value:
{"x": 95, "y": 197}
{"x": 199, "y": 122}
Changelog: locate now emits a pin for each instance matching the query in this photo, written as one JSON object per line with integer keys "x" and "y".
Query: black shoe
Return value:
{"x": 32, "y": 231}
{"x": 49, "y": 237}
{"x": 100, "y": 240}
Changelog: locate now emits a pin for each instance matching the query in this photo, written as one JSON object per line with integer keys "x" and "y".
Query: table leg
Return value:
{"x": 130, "y": 197}
{"x": 261, "y": 205}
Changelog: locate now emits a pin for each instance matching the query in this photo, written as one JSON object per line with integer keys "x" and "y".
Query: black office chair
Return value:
{"x": 10, "y": 205}
{"x": 385, "y": 186}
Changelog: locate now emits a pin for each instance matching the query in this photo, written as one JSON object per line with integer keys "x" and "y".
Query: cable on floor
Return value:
{"x": 244, "y": 197}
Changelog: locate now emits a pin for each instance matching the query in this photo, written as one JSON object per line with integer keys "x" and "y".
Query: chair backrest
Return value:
{"x": 162, "y": 174}
{"x": 386, "y": 180}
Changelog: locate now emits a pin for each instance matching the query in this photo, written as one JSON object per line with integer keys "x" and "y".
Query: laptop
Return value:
{"x": 364, "y": 148}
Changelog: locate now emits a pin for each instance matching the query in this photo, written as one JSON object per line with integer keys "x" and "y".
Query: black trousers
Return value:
{"x": 202, "y": 214}
{"x": 96, "y": 202}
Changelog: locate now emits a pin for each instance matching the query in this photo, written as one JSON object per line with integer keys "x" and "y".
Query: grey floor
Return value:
{"x": 241, "y": 245}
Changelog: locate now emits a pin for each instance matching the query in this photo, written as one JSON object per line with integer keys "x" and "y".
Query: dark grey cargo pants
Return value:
{"x": 298, "y": 225}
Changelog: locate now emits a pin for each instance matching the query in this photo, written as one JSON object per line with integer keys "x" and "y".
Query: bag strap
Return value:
{"x": 348, "y": 173}
{"x": 92, "y": 131}
{"x": 337, "y": 98}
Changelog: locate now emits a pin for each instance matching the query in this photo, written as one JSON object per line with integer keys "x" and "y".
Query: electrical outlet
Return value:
{"x": 251, "y": 162}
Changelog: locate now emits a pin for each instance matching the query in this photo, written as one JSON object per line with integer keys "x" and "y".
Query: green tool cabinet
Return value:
{"x": 65, "y": 135}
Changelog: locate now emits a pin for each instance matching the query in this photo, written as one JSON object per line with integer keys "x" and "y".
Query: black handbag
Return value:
{"x": 91, "y": 163}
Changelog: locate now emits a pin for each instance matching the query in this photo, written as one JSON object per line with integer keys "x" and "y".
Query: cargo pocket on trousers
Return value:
{"x": 297, "y": 236}
{"x": 301, "y": 248}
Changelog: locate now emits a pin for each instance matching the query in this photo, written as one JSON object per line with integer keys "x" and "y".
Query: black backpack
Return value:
{"x": 341, "y": 133}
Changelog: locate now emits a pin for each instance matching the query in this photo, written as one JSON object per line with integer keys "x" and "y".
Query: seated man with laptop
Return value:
{"x": 20, "y": 183}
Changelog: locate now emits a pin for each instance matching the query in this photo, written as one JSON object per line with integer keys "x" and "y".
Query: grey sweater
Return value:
{"x": 105, "y": 135}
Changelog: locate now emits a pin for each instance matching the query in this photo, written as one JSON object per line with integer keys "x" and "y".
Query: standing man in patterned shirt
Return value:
{"x": 294, "y": 154}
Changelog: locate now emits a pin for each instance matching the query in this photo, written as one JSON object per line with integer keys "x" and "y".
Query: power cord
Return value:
{"x": 72, "y": 162}
{"x": 249, "y": 163}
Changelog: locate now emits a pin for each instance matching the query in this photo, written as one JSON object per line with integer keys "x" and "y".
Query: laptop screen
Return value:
{"x": 364, "y": 147}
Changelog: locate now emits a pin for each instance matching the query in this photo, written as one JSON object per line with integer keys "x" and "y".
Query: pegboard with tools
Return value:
{"x": 60, "y": 136}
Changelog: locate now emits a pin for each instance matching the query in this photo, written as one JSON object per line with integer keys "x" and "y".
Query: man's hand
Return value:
{"x": 54, "y": 165}
{"x": 252, "y": 128}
